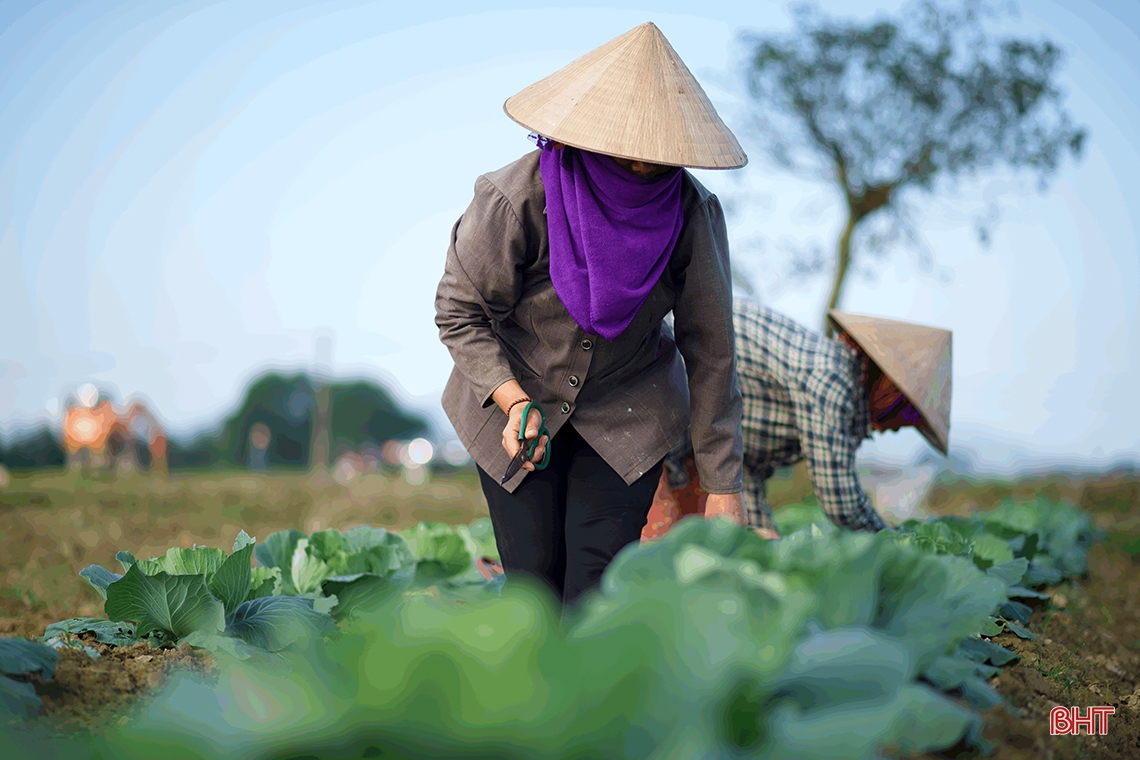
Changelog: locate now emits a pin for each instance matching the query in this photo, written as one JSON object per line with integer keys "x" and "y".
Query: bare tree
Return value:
{"x": 884, "y": 106}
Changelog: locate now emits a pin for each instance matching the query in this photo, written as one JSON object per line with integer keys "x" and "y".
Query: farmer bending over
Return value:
{"x": 810, "y": 398}
{"x": 557, "y": 280}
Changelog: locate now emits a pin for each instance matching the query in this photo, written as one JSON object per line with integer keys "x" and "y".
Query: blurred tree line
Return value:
{"x": 361, "y": 413}
{"x": 39, "y": 447}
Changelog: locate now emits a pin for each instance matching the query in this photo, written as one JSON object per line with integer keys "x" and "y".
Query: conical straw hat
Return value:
{"x": 916, "y": 359}
{"x": 632, "y": 98}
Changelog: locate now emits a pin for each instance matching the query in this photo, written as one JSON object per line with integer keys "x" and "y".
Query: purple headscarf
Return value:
{"x": 909, "y": 413}
{"x": 611, "y": 235}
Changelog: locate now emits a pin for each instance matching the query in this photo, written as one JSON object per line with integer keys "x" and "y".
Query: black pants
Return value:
{"x": 564, "y": 524}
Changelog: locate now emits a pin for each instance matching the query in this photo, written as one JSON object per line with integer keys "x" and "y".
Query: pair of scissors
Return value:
{"x": 525, "y": 451}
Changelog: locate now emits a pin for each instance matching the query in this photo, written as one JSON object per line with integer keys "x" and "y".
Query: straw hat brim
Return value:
{"x": 916, "y": 358}
{"x": 632, "y": 98}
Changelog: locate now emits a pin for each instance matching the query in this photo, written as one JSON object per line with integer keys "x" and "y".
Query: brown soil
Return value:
{"x": 54, "y": 523}
{"x": 1087, "y": 650}
{"x": 1075, "y": 661}
{"x": 87, "y": 693}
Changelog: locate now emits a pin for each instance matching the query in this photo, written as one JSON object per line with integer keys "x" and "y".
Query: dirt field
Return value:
{"x": 54, "y": 525}
{"x": 1087, "y": 651}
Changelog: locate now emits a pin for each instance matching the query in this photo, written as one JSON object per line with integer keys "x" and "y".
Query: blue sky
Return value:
{"x": 191, "y": 192}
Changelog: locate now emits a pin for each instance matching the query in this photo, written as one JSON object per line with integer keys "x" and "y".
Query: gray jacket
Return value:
{"x": 629, "y": 398}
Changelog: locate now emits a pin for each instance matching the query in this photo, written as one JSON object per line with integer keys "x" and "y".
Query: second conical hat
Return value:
{"x": 633, "y": 98}
{"x": 917, "y": 360}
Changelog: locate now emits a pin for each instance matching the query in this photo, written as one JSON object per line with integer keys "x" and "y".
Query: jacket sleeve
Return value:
{"x": 702, "y": 327}
{"x": 482, "y": 282}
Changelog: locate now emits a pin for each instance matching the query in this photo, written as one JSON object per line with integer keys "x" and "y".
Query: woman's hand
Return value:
{"x": 505, "y": 396}
{"x": 511, "y": 435}
{"x": 731, "y": 506}
{"x": 727, "y": 505}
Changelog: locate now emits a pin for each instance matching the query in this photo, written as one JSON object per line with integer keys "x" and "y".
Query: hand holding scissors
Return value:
{"x": 530, "y": 437}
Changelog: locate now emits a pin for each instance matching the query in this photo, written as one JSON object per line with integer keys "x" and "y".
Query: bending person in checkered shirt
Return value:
{"x": 807, "y": 397}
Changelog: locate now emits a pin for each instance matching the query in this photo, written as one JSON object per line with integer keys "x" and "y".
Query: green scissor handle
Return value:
{"x": 541, "y": 432}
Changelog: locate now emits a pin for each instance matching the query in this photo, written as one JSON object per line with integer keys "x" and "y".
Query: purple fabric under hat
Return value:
{"x": 611, "y": 235}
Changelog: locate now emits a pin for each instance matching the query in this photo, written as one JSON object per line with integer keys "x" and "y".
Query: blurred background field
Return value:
{"x": 270, "y": 204}
{"x": 56, "y": 522}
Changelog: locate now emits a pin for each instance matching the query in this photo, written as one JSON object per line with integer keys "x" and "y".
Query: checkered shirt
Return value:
{"x": 804, "y": 398}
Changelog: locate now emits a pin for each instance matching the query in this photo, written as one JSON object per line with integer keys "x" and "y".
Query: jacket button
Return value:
{"x": 587, "y": 344}
{"x": 573, "y": 381}
{"x": 565, "y": 408}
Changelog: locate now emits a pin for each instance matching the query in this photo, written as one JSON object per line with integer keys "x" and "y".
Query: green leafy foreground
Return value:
{"x": 200, "y": 596}
{"x": 709, "y": 642}
{"x": 22, "y": 658}
{"x": 300, "y": 586}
